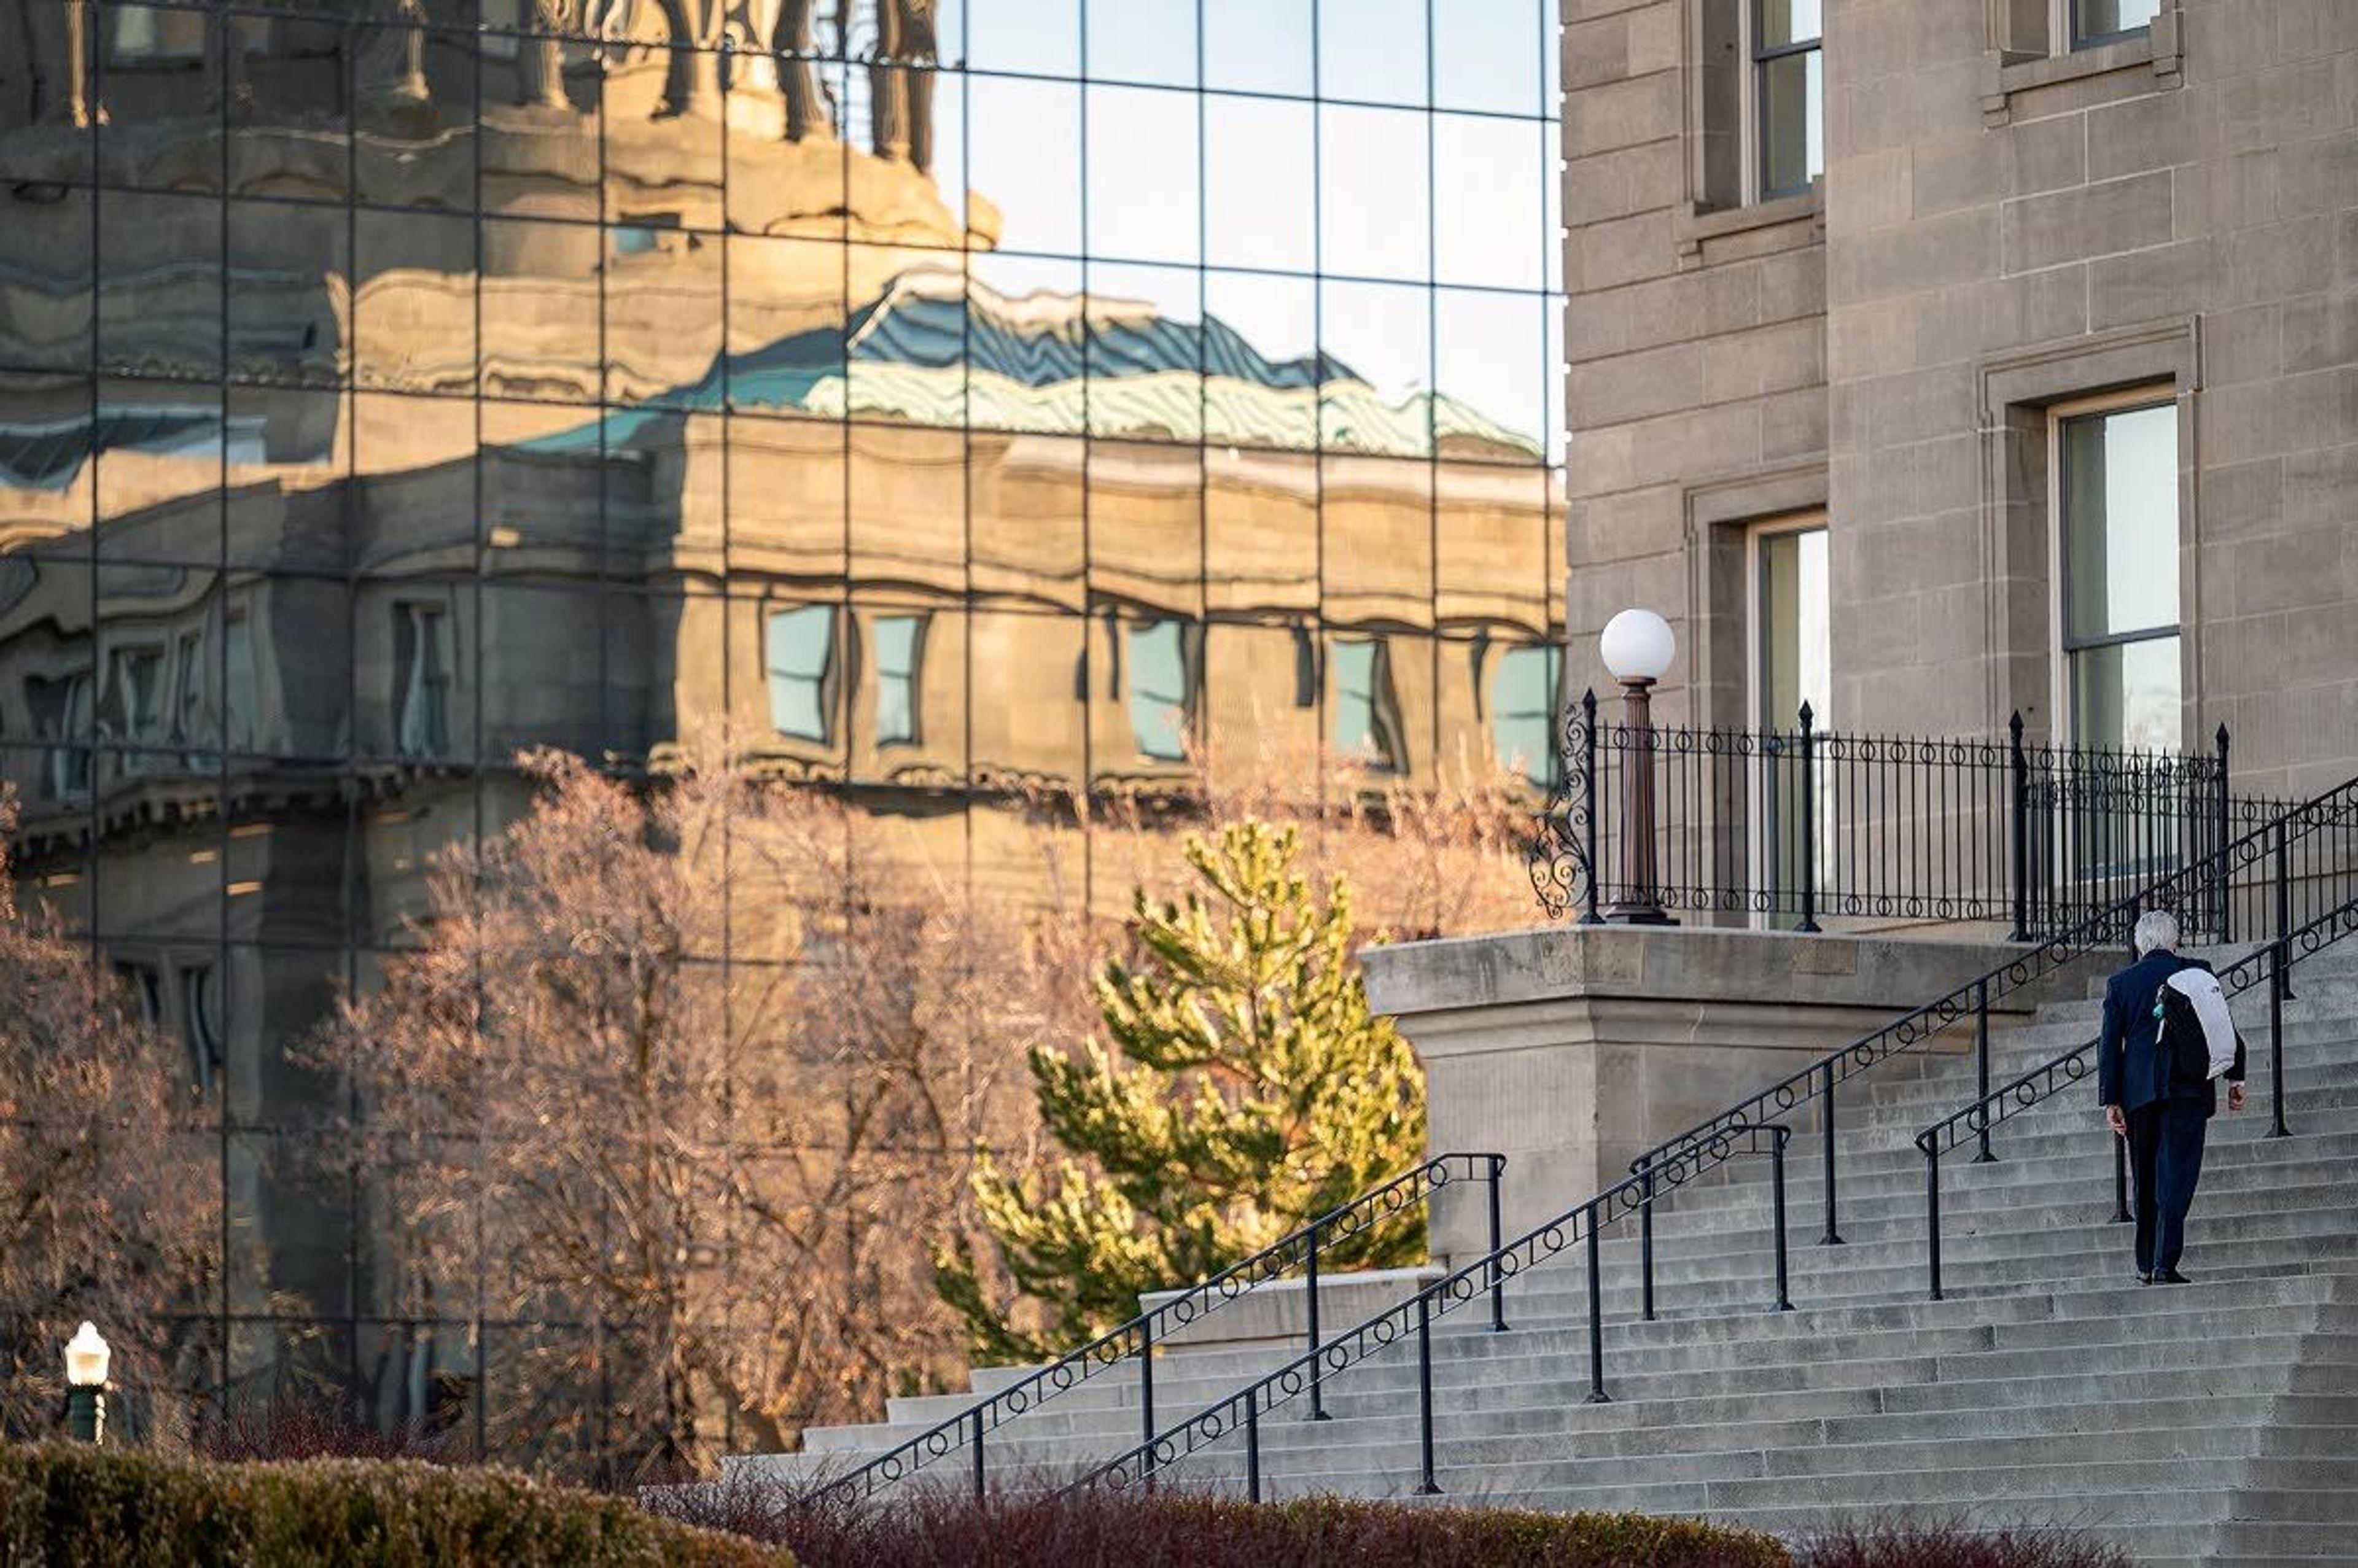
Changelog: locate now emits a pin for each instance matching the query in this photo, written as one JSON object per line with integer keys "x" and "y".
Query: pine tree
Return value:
{"x": 1241, "y": 1088}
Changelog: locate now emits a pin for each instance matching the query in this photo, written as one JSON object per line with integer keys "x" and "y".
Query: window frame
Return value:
{"x": 199, "y": 1001}
{"x": 1181, "y": 702}
{"x": 417, "y": 618}
{"x": 825, "y": 683}
{"x": 1755, "y": 624}
{"x": 1753, "y": 104}
{"x": 2061, "y": 644}
{"x": 919, "y": 623}
{"x": 1550, "y": 762}
{"x": 1389, "y": 755}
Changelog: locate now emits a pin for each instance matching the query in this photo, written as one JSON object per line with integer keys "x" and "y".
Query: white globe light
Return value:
{"x": 1637, "y": 645}
{"x": 86, "y": 1357}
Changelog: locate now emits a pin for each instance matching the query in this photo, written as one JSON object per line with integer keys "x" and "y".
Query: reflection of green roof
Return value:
{"x": 937, "y": 349}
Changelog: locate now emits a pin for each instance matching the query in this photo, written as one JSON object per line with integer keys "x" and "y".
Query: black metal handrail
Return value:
{"x": 1135, "y": 1340}
{"x": 1811, "y": 823}
{"x": 2212, "y": 896}
{"x": 2210, "y": 889}
{"x": 2272, "y": 961}
{"x": 1307, "y": 1373}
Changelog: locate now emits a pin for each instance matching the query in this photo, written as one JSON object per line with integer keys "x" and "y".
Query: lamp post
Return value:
{"x": 1638, "y": 647}
{"x": 86, "y": 1359}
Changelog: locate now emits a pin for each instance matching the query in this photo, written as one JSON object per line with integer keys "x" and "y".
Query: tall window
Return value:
{"x": 62, "y": 711}
{"x": 2095, "y": 22}
{"x": 238, "y": 689}
{"x": 134, "y": 701}
{"x": 1788, "y": 95}
{"x": 1793, "y": 650}
{"x": 1792, "y": 662}
{"x": 201, "y": 1025}
{"x": 422, "y": 664}
{"x": 899, "y": 649}
{"x": 1367, "y": 710}
{"x": 1523, "y": 710}
{"x": 2116, "y": 495}
{"x": 189, "y": 701}
{"x": 1157, "y": 655}
{"x": 800, "y": 654}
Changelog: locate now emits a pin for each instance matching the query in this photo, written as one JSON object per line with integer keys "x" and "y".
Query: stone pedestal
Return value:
{"x": 1572, "y": 1050}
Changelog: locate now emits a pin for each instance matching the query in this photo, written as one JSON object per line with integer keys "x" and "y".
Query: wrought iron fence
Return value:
{"x": 1799, "y": 825}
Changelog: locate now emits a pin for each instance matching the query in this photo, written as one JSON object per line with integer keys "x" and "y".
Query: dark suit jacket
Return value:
{"x": 2132, "y": 1070}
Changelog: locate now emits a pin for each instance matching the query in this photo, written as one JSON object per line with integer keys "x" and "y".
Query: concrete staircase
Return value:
{"x": 2216, "y": 1423}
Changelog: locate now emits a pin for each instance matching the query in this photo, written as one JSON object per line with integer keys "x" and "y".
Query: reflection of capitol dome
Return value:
{"x": 939, "y": 349}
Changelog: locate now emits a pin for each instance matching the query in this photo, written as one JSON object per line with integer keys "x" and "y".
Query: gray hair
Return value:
{"x": 2156, "y": 929}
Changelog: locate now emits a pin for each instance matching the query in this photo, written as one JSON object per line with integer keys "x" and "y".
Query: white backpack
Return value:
{"x": 2195, "y": 1026}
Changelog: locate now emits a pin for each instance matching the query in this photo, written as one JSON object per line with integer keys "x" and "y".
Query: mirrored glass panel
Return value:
{"x": 1489, "y": 56}
{"x": 1141, "y": 40}
{"x": 1023, "y": 157}
{"x": 1374, "y": 50}
{"x": 1487, "y": 227}
{"x": 1259, "y": 45}
{"x": 1260, "y": 188}
{"x": 1143, "y": 175}
{"x": 1373, "y": 178}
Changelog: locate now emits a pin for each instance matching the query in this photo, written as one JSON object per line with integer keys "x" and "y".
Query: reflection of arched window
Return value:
{"x": 1157, "y": 655}
{"x": 1522, "y": 711}
{"x": 201, "y": 1024}
{"x": 422, "y": 664}
{"x": 1367, "y": 710}
{"x": 800, "y": 657}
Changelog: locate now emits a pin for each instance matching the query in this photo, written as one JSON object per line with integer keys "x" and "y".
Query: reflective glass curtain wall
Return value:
{"x": 974, "y": 401}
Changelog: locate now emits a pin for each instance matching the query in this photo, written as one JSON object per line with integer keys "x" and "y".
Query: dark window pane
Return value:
{"x": 1792, "y": 115}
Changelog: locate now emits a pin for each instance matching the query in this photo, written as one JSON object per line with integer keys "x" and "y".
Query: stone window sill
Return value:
{"x": 2007, "y": 71}
{"x": 1700, "y": 224}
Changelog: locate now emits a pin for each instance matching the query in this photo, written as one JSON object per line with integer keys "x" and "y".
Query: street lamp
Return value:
{"x": 1638, "y": 648}
{"x": 86, "y": 1359}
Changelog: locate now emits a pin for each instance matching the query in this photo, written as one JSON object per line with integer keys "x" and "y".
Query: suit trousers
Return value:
{"x": 2164, "y": 1163}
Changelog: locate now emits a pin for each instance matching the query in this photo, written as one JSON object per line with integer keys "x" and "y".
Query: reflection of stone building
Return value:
{"x": 377, "y": 402}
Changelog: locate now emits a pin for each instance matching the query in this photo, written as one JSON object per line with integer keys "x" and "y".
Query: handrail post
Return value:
{"x": 1597, "y": 1394}
{"x": 2220, "y": 874}
{"x": 1932, "y": 1213}
{"x": 1431, "y": 1486}
{"x": 978, "y": 1485}
{"x": 1589, "y": 788}
{"x": 1146, "y": 1397}
{"x": 1809, "y": 845}
{"x": 1646, "y": 1244}
{"x": 2121, "y": 1181}
{"x": 2021, "y": 831}
{"x": 2279, "y": 957}
{"x": 1777, "y": 1183}
{"x": 1982, "y": 1065}
{"x": 1833, "y": 1238}
{"x": 1497, "y": 1269}
{"x": 2284, "y": 906}
{"x": 1318, "y": 1390}
{"x": 1253, "y": 1446}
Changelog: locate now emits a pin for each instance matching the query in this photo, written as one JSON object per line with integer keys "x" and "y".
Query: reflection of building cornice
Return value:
{"x": 157, "y": 806}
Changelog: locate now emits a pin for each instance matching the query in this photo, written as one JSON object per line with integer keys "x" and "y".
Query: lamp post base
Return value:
{"x": 1637, "y": 914}
{"x": 86, "y": 1415}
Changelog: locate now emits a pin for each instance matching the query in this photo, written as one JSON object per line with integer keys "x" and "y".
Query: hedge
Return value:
{"x": 95, "y": 1508}
{"x": 1170, "y": 1529}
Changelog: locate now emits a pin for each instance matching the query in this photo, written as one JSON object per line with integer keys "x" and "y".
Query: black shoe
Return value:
{"x": 2144, "y": 1278}
{"x": 2171, "y": 1277}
